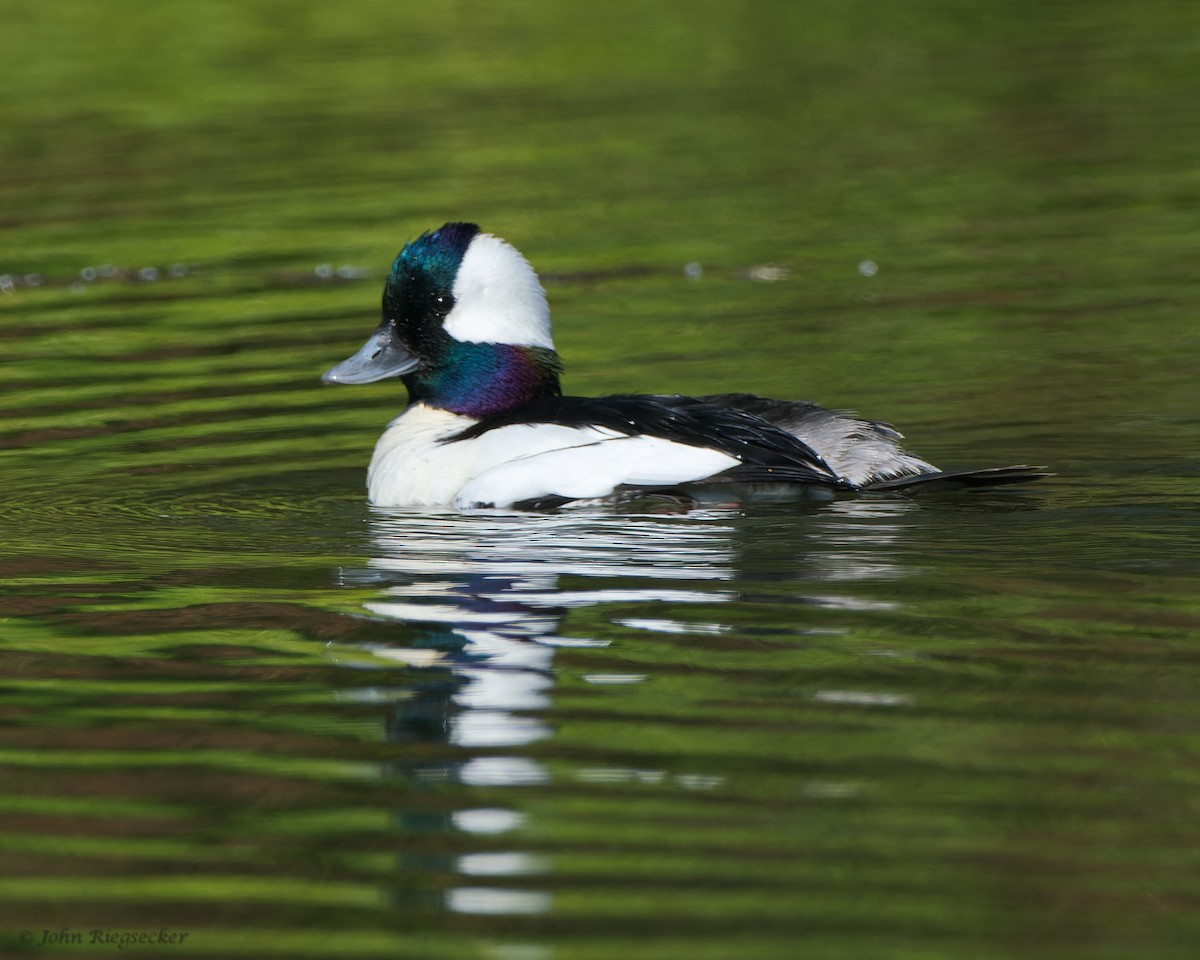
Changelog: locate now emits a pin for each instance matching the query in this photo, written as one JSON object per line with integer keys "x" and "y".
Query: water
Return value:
{"x": 238, "y": 704}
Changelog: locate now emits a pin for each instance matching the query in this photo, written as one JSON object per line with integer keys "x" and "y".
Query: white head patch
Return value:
{"x": 497, "y": 297}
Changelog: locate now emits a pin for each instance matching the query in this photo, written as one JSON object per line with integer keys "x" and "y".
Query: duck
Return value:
{"x": 466, "y": 327}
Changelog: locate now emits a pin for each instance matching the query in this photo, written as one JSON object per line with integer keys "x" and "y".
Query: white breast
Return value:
{"x": 508, "y": 465}
{"x": 411, "y": 465}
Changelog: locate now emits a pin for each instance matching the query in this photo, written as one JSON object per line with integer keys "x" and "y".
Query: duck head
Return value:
{"x": 465, "y": 325}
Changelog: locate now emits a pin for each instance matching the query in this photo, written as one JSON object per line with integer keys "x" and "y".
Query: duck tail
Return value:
{"x": 959, "y": 479}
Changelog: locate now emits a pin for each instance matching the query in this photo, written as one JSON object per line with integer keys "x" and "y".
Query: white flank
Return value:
{"x": 581, "y": 463}
{"x": 413, "y": 467}
{"x": 498, "y": 298}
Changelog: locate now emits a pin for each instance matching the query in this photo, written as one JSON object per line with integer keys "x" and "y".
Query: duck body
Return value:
{"x": 573, "y": 448}
{"x": 466, "y": 326}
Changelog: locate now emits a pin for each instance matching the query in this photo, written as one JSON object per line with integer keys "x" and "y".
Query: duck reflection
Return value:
{"x": 482, "y": 599}
{"x": 476, "y": 607}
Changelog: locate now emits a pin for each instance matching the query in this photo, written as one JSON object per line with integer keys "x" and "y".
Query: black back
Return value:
{"x": 767, "y": 452}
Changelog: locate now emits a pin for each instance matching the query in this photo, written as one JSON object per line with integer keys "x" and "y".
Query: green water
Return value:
{"x": 237, "y": 703}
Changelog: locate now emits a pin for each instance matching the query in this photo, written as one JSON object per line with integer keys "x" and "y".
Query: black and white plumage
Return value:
{"x": 466, "y": 326}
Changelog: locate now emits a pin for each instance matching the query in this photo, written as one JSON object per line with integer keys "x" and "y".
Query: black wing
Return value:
{"x": 766, "y": 452}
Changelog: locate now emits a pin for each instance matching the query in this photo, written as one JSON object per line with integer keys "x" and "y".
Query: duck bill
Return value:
{"x": 382, "y": 356}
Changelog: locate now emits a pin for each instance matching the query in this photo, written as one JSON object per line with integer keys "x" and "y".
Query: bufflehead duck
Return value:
{"x": 467, "y": 328}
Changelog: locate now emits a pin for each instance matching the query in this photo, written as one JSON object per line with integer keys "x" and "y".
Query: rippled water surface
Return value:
{"x": 240, "y": 705}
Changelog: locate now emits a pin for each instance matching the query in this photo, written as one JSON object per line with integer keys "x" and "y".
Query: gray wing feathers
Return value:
{"x": 860, "y": 451}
